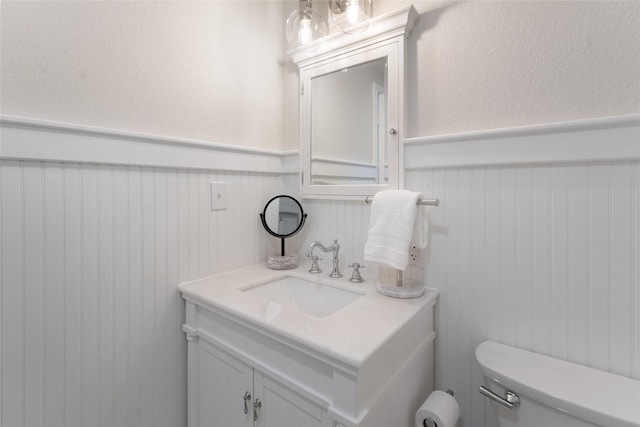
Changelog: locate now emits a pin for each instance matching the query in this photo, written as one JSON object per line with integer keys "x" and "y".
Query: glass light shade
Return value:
{"x": 305, "y": 25}
{"x": 351, "y": 16}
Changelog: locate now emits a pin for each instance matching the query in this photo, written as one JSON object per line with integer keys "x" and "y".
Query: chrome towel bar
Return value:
{"x": 430, "y": 202}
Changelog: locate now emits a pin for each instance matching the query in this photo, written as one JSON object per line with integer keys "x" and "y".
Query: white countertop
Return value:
{"x": 351, "y": 334}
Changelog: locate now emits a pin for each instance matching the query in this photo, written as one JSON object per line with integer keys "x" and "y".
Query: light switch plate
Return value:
{"x": 218, "y": 195}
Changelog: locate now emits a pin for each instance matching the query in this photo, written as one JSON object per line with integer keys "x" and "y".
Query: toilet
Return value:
{"x": 543, "y": 391}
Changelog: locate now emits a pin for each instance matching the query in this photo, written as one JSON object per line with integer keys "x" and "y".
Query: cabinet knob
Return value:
{"x": 246, "y": 398}
{"x": 256, "y": 405}
{"x": 392, "y": 131}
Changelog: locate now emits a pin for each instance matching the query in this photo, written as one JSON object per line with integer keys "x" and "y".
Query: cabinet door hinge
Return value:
{"x": 302, "y": 177}
{"x": 302, "y": 89}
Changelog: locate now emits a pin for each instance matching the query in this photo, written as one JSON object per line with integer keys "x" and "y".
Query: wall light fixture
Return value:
{"x": 305, "y": 25}
{"x": 351, "y": 16}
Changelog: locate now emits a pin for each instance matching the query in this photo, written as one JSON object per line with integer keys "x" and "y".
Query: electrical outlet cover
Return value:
{"x": 415, "y": 256}
{"x": 218, "y": 195}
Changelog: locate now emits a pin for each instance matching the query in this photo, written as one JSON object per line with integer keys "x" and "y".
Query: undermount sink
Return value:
{"x": 310, "y": 297}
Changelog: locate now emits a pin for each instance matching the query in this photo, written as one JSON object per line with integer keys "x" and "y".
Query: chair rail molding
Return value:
{"x": 601, "y": 139}
{"x": 591, "y": 140}
{"x": 24, "y": 138}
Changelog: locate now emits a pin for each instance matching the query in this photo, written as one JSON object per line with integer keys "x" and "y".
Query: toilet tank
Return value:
{"x": 556, "y": 393}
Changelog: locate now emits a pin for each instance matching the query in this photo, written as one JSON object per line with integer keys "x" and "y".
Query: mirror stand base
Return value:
{"x": 282, "y": 262}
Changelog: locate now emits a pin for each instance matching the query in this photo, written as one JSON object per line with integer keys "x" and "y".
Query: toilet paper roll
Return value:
{"x": 441, "y": 407}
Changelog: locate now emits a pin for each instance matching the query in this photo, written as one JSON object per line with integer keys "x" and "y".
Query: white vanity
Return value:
{"x": 292, "y": 349}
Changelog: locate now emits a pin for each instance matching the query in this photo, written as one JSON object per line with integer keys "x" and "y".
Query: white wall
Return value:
{"x": 172, "y": 68}
{"x": 539, "y": 256}
{"x": 90, "y": 259}
{"x": 476, "y": 65}
{"x": 485, "y": 65}
{"x": 493, "y": 64}
{"x": 207, "y": 70}
{"x": 91, "y": 255}
{"x": 94, "y": 244}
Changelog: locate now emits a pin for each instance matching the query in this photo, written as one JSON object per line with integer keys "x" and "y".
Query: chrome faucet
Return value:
{"x": 335, "y": 248}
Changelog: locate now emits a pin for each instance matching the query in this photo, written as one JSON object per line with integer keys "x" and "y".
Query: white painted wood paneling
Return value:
{"x": 91, "y": 256}
{"x": 33, "y": 294}
{"x": 12, "y": 299}
{"x": 543, "y": 258}
{"x": 344, "y": 220}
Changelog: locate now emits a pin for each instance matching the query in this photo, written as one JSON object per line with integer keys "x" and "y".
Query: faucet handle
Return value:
{"x": 315, "y": 268}
{"x": 356, "y": 277}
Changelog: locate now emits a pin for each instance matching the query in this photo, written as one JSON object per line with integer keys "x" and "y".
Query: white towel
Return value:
{"x": 394, "y": 215}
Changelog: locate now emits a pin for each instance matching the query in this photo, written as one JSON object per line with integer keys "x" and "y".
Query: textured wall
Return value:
{"x": 197, "y": 70}
{"x": 185, "y": 70}
{"x": 484, "y": 65}
{"x": 493, "y": 64}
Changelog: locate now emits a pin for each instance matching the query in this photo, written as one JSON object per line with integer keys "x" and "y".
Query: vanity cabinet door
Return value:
{"x": 233, "y": 394}
{"x": 223, "y": 382}
{"x": 283, "y": 407}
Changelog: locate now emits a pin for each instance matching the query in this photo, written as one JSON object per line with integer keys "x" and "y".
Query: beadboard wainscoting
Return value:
{"x": 91, "y": 256}
{"x": 345, "y": 220}
{"x": 537, "y": 252}
{"x": 543, "y": 258}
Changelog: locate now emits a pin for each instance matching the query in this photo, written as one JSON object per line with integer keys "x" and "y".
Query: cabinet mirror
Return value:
{"x": 348, "y": 138}
{"x": 352, "y": 110}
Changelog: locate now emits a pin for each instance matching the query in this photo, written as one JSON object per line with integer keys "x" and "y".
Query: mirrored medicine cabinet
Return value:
{"x": 352, "y": 109}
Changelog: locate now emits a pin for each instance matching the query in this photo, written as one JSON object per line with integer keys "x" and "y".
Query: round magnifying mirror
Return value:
{"x": 283, "y": 217}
